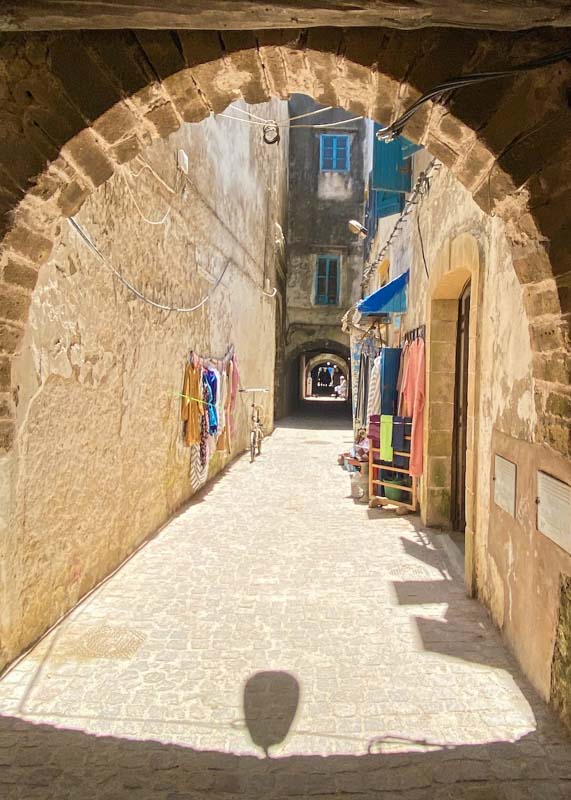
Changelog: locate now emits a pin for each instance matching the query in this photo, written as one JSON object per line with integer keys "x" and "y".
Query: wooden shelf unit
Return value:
{"x": 374, "y": 469}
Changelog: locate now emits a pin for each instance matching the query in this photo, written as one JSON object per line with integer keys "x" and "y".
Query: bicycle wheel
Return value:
{"x": 252, "y": 446}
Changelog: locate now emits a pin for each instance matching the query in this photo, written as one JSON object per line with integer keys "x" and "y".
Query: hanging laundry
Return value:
{"x": 191, "y": 405}
{"x": 363, "y": 391}
{"x": 374, "y": 400}
{"x": 235, "y": 383}
{"x": 386, "y": 437}
{"x": 416, "y": 386}
{"x": 211, "y": 381}
{"x": 206, "y": 396}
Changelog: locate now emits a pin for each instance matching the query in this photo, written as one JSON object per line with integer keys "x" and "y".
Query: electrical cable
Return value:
{"x": 419, "y": 190}
{"x": 161, "y": 306}
{"x": 145, "y": 218}
{"x": 146, "y": 165}
{"x": 422, "y": 245}
{"x": 286, "y": 124}
{"x": 396, "y": 127}
{"x": 248, "y": 113}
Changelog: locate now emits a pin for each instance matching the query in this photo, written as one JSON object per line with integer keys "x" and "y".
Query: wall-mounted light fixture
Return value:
{"x": 356, "y": 227}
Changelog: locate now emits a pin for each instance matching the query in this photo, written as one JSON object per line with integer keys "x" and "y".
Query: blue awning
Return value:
{"x": 389, "y": 299}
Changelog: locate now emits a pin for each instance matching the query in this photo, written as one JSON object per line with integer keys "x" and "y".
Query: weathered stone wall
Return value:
{"x": 100, "y": 461}
{"x": 512, "y": 567}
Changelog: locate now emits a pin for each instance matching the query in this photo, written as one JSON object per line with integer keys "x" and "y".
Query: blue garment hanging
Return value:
{"x": 211, "y": 383}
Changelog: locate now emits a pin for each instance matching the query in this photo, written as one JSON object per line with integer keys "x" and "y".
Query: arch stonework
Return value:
{"x": 76, "y": 106}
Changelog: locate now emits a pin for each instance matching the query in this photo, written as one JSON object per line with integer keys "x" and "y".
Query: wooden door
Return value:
{"x": 461, "y": 414}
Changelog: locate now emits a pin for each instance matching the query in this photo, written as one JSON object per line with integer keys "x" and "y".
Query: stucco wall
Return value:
{"x": 101, "y": 461}
{"x": 513, "y": 568}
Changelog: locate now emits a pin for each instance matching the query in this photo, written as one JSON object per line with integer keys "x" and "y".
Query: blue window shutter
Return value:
{"x": 408, "y": 148}
{"x": 391, "y": 170}
{"x": 389, "y": 203}
{"x": 327, "y": 281}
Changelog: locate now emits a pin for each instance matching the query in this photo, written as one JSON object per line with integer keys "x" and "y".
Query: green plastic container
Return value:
{"x": 396, "y": 494}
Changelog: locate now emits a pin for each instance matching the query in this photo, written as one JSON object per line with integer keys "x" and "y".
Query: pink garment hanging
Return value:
{"x": 234, "y": 395}
{"x": 416, "y": 392}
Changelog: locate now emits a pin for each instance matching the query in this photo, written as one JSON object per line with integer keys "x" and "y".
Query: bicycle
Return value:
{"x": 256, "y": 429}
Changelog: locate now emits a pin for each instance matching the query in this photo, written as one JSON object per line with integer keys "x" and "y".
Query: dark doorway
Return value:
{"x": 461, "y": 414}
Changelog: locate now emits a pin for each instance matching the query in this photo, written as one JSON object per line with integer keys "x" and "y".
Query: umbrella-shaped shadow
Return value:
{"x": 270, "y": 703}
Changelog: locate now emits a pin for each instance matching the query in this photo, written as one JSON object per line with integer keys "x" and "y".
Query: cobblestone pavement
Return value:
{"x": 400, "y": 686}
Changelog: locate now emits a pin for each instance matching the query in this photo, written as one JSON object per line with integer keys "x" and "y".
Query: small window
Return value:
{"x": 327, "y": 281}
{"x": 333, "y": 153}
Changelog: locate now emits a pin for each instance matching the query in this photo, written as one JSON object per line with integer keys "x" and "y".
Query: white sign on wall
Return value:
{"x": 505, "y": 473}
{"x": 554, "y": 510}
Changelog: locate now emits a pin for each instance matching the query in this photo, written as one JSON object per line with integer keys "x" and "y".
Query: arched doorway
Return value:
{"x": 325, "y": 377}
{"x": 451, "y": 396}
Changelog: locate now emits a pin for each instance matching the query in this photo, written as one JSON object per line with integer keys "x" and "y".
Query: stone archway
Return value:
{"x": 78, "y": 105}
{"x": 457, "y": 265}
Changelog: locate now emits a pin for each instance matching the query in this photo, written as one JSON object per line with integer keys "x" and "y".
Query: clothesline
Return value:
{"x": 210, "y": 359}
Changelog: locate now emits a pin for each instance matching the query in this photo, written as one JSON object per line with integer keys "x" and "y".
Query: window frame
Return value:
{"x": 323, "y": 137}
{"x": 323, "y": 299}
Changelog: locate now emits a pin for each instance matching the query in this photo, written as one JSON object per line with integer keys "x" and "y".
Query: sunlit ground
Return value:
{"x": 369, "y": 639}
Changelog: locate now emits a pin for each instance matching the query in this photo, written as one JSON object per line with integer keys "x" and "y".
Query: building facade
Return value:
{"x": 488, "y": 472}
{"x": 327, "y": 166}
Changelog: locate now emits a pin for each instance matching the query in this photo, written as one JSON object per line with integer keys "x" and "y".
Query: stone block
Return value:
{"x": 554, "y": 367}
{"x": 439, "y": 442}
{"x": 438, "y": 472}
{"x": 443, "y": 331}
{"x": 20, "y": 275}
{"x": 441, "y": 150}
{"x": 116, "y": 123}
{"x": 7, "y": 434}
{"x": 444, "y": 311}
{"x": 14, "y": 303}
{"x": 86, "y": 84}
{"x": 442, "y": 357}
{"x": 27, "y": 243}
{"x": 540, "y": 300}
{"x": 441, "y": 414}
{"x": 72, "y": 198}
{"x": 5, "y": 373}
{"x": 531, "y": 262}
{"x": 186, "y": 98}
{"x": 558, "y": 404}
{"x": 6, "y": 410}
{"x": 163, "y": 50}
{"x": 164, "y": 119}
{"x": 556, "y": 433}
{"x": 441, "y": 386}
{"x": 90, "y": 158}
{"x": 438, "y": 507}
{"x": 10, "y": 337}
{"x": 242, "y": 53}
{"x": 549, "y": 335}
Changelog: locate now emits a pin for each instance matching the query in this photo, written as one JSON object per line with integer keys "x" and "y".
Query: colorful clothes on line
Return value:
{"x": 191, "y": 408}
{"x": 413, "y": 392}
{"x": 211, "y": 382}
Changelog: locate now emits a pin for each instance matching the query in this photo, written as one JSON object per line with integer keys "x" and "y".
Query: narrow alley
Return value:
{"x": 395, "y": 683}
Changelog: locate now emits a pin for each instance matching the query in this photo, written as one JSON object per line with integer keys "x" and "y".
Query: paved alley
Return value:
{"x": 395, "y": 684}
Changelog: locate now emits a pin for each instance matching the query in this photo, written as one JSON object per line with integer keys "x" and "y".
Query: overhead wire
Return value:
{"x": 161, "y": 306}
{"x": 396, "y": 127}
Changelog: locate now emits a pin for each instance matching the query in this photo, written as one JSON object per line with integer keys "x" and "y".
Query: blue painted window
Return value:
{"x": 327, "y": 281}
{"x": 334, "y": 153}
{"x": 391, "y": 175}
